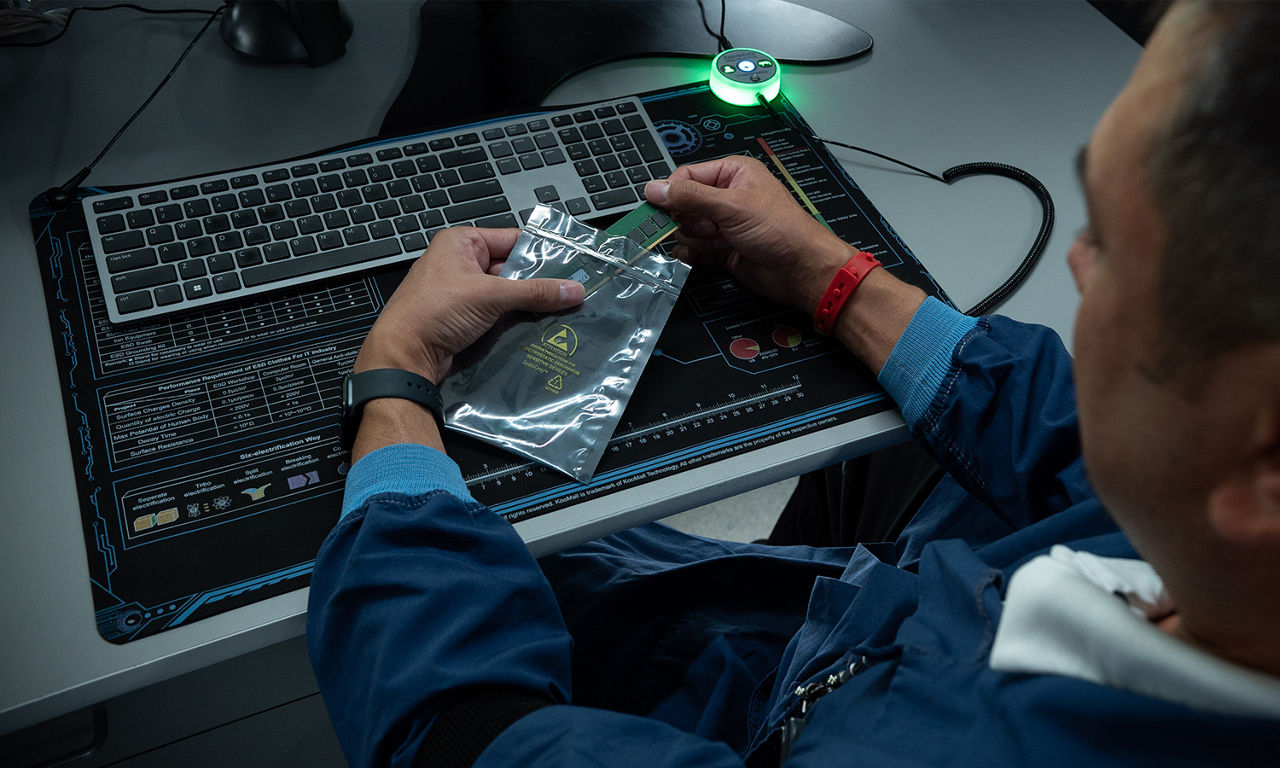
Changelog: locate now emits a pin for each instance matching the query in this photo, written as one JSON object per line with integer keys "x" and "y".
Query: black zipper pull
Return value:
{"x": 807, "y": 695}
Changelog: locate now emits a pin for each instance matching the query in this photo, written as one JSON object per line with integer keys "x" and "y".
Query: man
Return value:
{"x": 976, "y": 638}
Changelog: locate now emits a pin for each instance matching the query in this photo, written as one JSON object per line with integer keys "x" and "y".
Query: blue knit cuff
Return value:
{"x": 921, "y": 359}
{"x": 403, "y": 468}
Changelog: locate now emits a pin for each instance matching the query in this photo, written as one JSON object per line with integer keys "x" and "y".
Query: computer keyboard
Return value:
{"x": 168, "y": 248}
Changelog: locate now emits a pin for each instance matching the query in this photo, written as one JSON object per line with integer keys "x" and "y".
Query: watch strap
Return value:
{"x": 360, "y": 388}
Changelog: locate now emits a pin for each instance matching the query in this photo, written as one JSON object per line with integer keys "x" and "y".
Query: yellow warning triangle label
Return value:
{"x": 561, "y": 340}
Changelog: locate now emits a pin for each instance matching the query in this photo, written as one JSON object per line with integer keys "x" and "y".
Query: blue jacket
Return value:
{"x": 663, "y": 649}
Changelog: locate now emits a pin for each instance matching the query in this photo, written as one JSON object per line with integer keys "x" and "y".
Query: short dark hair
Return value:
{"x": 1214, "y": 174}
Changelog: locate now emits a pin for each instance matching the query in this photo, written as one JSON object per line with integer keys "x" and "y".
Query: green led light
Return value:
{"x": 740, "y": 75}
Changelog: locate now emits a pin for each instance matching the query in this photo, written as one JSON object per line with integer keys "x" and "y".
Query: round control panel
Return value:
{"x": 741, "y": 75}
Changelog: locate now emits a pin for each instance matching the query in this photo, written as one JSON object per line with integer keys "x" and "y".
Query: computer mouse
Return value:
{"x": 314, "y": 32}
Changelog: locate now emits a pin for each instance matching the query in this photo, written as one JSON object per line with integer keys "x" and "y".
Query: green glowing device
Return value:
{"x": 742, "y": 75}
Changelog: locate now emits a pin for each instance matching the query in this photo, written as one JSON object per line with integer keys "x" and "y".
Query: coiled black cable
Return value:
{"x": 1000, "y": 294}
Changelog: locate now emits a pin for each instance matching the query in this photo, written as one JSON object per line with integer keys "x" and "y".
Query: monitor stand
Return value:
{"x": 500, "y": 56}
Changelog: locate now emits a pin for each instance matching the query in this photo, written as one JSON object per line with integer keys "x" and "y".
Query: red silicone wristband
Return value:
{"x": 841, "y": 288}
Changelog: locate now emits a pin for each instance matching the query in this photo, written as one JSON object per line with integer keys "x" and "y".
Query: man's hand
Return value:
{"x": 735, "y": 215}
{"x": 450, "y": 297}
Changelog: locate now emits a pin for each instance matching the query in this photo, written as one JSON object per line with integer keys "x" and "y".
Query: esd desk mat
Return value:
{"x": 205, "y": 445}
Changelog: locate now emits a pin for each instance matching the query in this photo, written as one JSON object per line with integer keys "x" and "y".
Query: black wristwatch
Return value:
{"x": 360, "y": 388}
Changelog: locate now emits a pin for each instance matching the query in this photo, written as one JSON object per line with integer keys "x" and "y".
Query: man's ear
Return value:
{"x": 1244, "y": 509}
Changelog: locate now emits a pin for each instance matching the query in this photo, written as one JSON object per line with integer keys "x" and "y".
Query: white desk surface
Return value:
{"x": 947, "y": 82}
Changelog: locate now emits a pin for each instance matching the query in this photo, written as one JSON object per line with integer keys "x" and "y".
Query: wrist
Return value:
{"x": 825, "y": 260}
{"x": 381, "y": 350}
{"x": 391, "y": 420}
{"x": 876, "y": 316}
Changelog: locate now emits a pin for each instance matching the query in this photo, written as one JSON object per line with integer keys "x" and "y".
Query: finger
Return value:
{"x": 694, "y": 225}
{"x": 537, "y": 294}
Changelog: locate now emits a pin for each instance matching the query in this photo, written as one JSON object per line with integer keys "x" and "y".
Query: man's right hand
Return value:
{"x": 734, "y": 214}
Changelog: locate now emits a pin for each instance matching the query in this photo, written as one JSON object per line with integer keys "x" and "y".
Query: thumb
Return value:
{"x": 689, "y": 196}
{"x": 540, "y": 294}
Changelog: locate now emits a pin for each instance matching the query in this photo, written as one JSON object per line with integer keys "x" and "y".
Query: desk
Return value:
{"x": 947, "y": 82}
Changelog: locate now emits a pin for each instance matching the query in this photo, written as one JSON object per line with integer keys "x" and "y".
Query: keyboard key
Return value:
{"x": 272, "y": 176}
{"x": 252, "y": 198}
{"x": 539, "y": 125}
{"x": 438, "y": 145}
{"x": 372, "y": 193}
{"x": 476, "y": 172}
{"x": 414, "y": 242}
{"x": 301, "y": 246}
{"x": 516, "y": 130}
{"x": 133, "y": 302}
{"x": 431, "y": 219}
{"x": 592, "y": 131}
{"x": 282, "y": 270}
{"x": 634, "y": 123}
{"x": 608, "y": 163}
{"x": 332, "y": 164}
{"x": 218, "y": 222}
{"x": 381, "y": 229}
{"x": 583, "y": 116}
{"x": 361, "y": 214}
{"x": 151, "y": 198}
{"x": 629, "y": 158}
{"x": 279, "y": 192}
{"x": 380, "y": 173}
{"x": 561, "y": 121}
{"x": 326, "y": 241}
{"x": 606, "y": 111}
{"x": 330, "y": 183}
{"x": 612, "y": 127}
{"x": 508, "y": 165}
{"x": 140, "y": 218}
{"x": 387, "y": 209}
{"x": 305, "y": 169}
{"x": 647, "y": 147}
{"x": 399, "y": 188}
{"x": 464, "y": 157}
{"x": 465, "y": 192}
{"x": 166, "y": 214}
{"x": 406, "y": 224}
{"x": 201, "y": 246}
{"x": 244, "y": 180}
{"x": 109, "y": 225}
{"x": 336, "y": 220}
{"x": 144, "y": 278}
{"x": 355, "y": 235}
{"x": 242, "y": 219}
{"x": 448, "y": 178}
{"x": 304, "y": 188}
{"x": 257, "y": 235}
{"x": 171, "y": 252}
{"x": 578, "y": 151}
{"x": 424, "y": 183}
{"x": 114, "y": 204}
{"x": 295, "y": 208}
{"x": 613, "y": 198}
{"x": 553, "y": 156}
{"x": 125, "y": 241}
{"x": 248, "y": 257}
{"x": 191, "y": 269}
{"x": 412, "y": 204}
{"x": 226, "y": 283}
{"x": 497, "y": 222}
{"x": 224, "y": 203}
{"x": 283, "y": 230}
{"x": 183, "y": 192}
{"x": 309, "y": 225}
{"x": 404, "y": 168}
{"x": 356, "y": 177}
{"x": 389, "y": 153}
{"x": 228, "y": 241}
{"x": 278, "y": 251}
{"x": 599, "y": 147}
{"x": 197, "y": 208}
{"x": 270, "y": 213}
{"x": 594, "y": 184}
{"x": 637, "y": 175}
{"x": 363, "y": 158}
{"x": 500, "y": 149}
{"x": 162, "y": 233}
{"x": 586, "y": 167}
{"x": 349, "y": 197}
{"x": 620, "y": 143}
{"x": 625, "y": 107}
{"x": 221, "y": 262}
{"x": 570, "y": 135}
{"x": 121, "y": 262}
{"x": 416, "y": 148}
{"x": 577, "y": 206}
{"x": 547, "y": 194}
{"x": 476, "y": 208}
{"x": 215, "y": 185}
{"x": 196, "y": 289}
{"x": 168, "y": 294}
{"x": 523, "y": 145}
{"x": 659, "y": 170}
{"x": 428, "y": 164}
{"x": 530, "y": 162}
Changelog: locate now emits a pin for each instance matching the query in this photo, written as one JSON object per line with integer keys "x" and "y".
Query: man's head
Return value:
{"x": 1178, "y": 333}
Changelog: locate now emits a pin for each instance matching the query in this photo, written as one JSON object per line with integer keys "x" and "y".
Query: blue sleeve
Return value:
{"x": 994, "y": 400}
{"x": 420, "y": 594}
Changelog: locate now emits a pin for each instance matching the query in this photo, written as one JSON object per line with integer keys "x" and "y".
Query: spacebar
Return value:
{"x": 307, "y": 265}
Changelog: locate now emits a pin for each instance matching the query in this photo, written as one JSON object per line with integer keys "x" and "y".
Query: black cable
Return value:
{"x": 60, "y": 196}
{"x": 66, "y": 24}
{"x": 721, "y": 40}
{"x": 1000, "y": 294}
